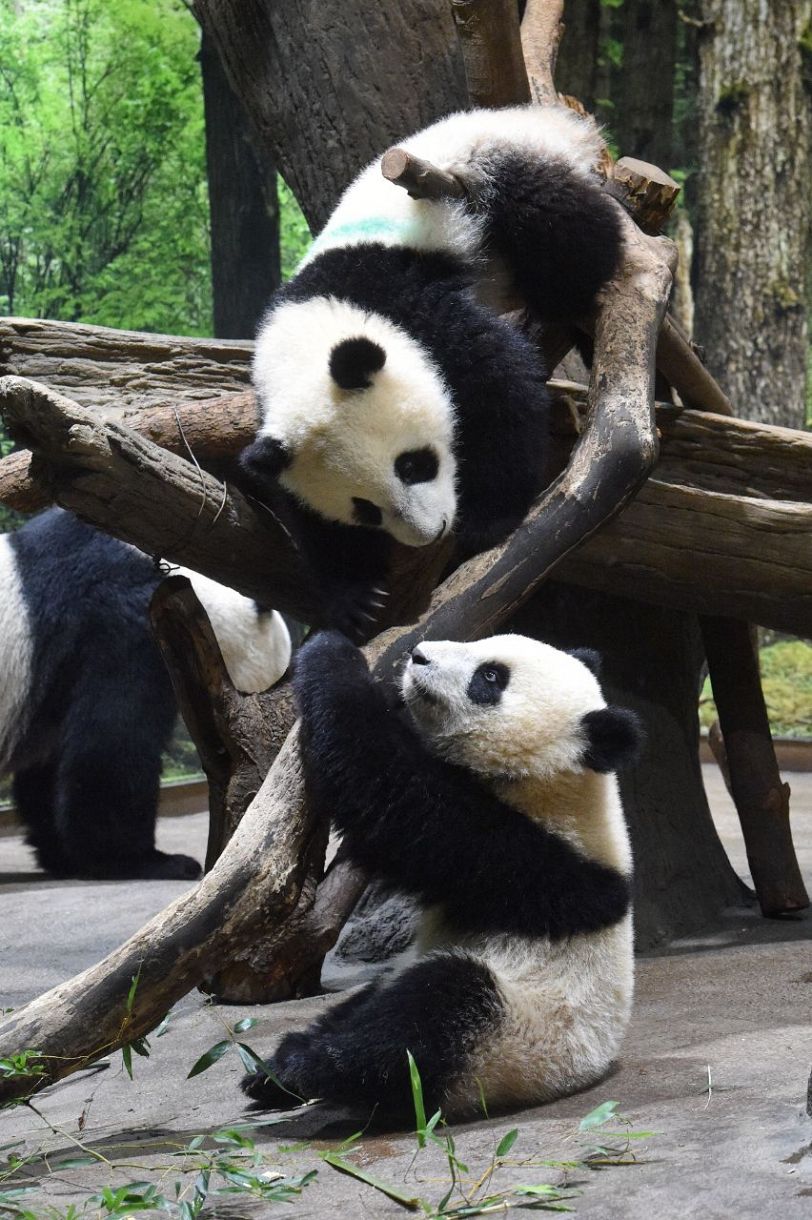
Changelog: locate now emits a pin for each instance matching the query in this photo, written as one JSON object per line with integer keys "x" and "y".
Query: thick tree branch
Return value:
{"x": 144, "y": 495}
{"x": 112, "y": 370}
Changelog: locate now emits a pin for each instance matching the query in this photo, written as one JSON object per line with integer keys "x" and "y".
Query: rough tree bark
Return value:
{"x": 643, "y": 85}
{"x": 321, "y": 97}
{"x": 755, "y": 203}
{"x": 116, "y": 370}
{"x": 243, "y": 208}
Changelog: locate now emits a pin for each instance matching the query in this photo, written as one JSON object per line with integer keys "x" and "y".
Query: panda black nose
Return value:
{"x": 418, "y": 658}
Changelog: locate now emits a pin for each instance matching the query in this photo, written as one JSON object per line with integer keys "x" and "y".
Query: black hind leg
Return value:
{"x": 108, "y": 779}
{"x": 33, "y": 792}
{"x": 439, "y": 1009}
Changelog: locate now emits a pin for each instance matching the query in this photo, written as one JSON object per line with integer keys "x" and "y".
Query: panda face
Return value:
{"x": 357, "y": 421}
{"x": 513, "y": 707}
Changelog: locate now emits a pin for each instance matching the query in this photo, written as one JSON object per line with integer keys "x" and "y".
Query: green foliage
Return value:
{"x": 103, "y": 207}
{"x": 294, "y": 235}
{"x": 472, "y": 1192}
{"x": 786, "y": 674}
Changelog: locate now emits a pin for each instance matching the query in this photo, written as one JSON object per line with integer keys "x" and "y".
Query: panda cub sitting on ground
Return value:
{"x": 86, "y": 705}
{"x": 395, "y": 402}
{"x": 493, "y": 801}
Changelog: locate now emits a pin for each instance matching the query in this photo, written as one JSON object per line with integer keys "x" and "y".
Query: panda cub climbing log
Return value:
{"x": 395, "y": 402}
{"x": 86, "y": 706}
{"x": 493, "y": 801}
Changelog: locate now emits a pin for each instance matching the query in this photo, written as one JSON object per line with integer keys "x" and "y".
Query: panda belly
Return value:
{"x": 15, "y": 653}
{"x": 565, "y": 1007}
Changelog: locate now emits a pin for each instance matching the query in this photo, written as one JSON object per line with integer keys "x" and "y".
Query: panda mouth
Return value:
{"x": 422, "y": 693}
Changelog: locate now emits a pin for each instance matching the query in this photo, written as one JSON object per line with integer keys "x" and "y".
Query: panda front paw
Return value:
{"x": 356, "y": 611}
{"x": 264, "y": 1088}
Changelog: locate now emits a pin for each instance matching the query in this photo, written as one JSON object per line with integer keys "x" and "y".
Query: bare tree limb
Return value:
{"x": 541, "y": 32}
{"x": 420, "y": 178}
{"x": 761, "y": 799}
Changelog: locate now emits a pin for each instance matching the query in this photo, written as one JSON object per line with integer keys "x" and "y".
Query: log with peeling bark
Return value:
{"x": 115, "y": 370}
{"x": 198, "y": 934}
{"x": 698, "y": 449}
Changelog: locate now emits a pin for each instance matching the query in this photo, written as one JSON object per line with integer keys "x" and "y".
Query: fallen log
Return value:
{"x": 706, "y": 552}
{"x": 698, "y": 449}
{"x": 112, "y": 370}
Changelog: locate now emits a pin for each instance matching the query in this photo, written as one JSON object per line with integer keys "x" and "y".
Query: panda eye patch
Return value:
{"x": 488, "y": 683}
{"x": 417, "y": 466}
{"x": 365, "y": 512}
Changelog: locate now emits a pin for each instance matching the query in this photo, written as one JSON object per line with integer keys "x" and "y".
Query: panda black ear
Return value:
{"x": 589, "y": 657}
{"x": 354, "y": 361}
{"x": 265, "y": 459}
{"x": 614, "y": 736}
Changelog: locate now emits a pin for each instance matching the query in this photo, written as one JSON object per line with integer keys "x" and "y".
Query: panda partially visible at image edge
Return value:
{"x": 86, "y": 705}
{"x": 492, "y": 800}
{"x": 395, "y": 401}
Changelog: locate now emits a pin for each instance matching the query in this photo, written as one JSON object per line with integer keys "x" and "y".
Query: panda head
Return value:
{"x": 357, "y": 422}
{"x": 512, "y": 707}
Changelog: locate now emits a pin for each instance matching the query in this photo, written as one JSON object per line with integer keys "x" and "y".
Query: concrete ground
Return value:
{"x": 716, "y": 1063}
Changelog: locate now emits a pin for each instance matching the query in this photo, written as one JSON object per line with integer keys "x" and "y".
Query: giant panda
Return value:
{"x": 492, "y": 801}
{"x": 395, "y": 402}
{"x": 86, "y": 706}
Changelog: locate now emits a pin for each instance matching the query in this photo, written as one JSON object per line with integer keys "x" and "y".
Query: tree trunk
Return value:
{"x": 643, "y": 86}
{"x": 755, "y": 203}
{"x": 651, "y": 663}
{"x": 577, "y": 68}
{"x": 347, "y": 98}
{"x": 243, "y": 208}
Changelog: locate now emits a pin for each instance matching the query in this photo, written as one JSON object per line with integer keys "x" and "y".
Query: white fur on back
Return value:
{"x": 372, "y": 209}
{"x": 15, "y": 652}
{"x": 255, "y": 647}
{"x": 344, "y": 442}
